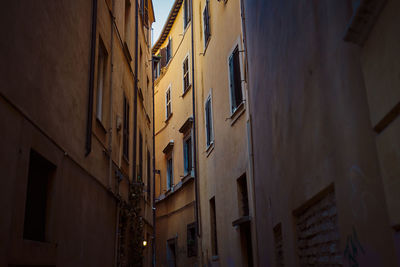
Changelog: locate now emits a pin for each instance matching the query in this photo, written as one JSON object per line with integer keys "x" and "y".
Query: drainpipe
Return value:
{"x": 154, "y": 172}
{"x": 135, "y": 93}
{"x": 89, "y": 122}
{"x": 197, "y": 206}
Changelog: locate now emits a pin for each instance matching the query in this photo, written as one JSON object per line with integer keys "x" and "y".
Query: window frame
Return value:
{"x": 206, "y": 40}
{"x": 237, "y": 45}
{"x": 185, "y": 89}
{"x": 209, "y": 99}
{"x": 168, "y": 102}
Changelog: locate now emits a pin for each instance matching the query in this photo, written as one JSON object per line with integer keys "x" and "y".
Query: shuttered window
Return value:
{"x": 235, "y": 80}
{"x": 186, "y": 82}
{"x": 170, "y": 176}
{"x": 140, "y": 170}
{"x": 186, "y": 13}
{"x": 169, "y": 51}
{"x": 187, "y": 154}
{"x": 168, "y": 110}
{"x": 209, "y": 124}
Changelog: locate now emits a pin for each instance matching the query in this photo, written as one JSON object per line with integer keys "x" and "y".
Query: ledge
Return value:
{"x": 186, "y": 125}
{"x": 187, "y": 90}
{"x": 168, "y": 147}
{"x": 185, "y": 180}
{"x": 242, "y": 220}
{"x": 237, "y": 113}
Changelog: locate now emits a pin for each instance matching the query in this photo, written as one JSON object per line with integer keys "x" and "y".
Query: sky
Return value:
{"x": 161, "y": 10}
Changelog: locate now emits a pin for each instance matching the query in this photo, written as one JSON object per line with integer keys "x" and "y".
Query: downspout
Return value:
{"x": 194, "y": 130}
{"x": 135, "y": 93}
{"x": 88, "y": 145}
{"x": 249, "y": 136}
{"x": 154, "y": 171}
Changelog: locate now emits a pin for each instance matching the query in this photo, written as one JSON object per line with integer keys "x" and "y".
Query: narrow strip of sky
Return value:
{"x": 161, "y": 10}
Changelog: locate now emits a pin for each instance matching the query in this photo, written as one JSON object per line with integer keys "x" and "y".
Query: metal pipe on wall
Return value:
{"x": 154, "y": 171}
{"x": 89, "y": 122}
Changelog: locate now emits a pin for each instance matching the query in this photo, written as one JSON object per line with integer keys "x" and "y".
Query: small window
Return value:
{"x": 126, "y": 129}
{"x": 168, "y": 110}
{"x": 187, "y": 154}
{"x": 209, "y": 122}
{"x": 101, "y": 77}
{"x": 169, "y": 50}
{"x": 170, "y": 174}
{"x": 235, "y": 80}
{"x": 206, "y": 23}
{"x": 157, "y": 69}
{"x": 41, "y": 171}
{"x": 186, "y": 13}
{"x": 186, "y": 81}
{"x": 243, "y": 196}
{"x": 140, "y": 170}
{"x": 213, "y": 222}
{"x": 191, "y": 240}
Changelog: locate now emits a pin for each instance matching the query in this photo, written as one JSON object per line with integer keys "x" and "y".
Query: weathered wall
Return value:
{"x": 43, "y": 102}
{"x": 311, "y": 129}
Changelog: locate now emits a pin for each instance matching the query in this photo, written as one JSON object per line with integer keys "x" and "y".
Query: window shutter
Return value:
{"x": 238, "y": 78}
{"x": 186, "y": 156}
{"x": 232, "y": 83}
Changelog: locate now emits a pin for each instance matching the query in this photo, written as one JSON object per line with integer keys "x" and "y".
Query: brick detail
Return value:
{"x": 318, "y": 235}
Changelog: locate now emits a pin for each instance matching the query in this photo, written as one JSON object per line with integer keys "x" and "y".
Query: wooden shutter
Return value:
{"x": 238, "y": 78}
{"x": 163, "y": 57}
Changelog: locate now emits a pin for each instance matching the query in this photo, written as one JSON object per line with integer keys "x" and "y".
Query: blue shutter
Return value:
{"x": 232, "y": 83}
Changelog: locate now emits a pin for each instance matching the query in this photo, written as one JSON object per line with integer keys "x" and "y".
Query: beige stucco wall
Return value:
{"x": 177, "y": 210}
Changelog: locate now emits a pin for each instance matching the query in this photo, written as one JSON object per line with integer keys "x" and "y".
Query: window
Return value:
{"x": 235, "y": 80}
{"x": 169, "y": 50}
{"x": 213, "y": 222}
{"x": 186, "y": 13}
{"x": 191, "y": 240}
{"x": 170, "y": 174}
{"x": 243, "y": 196}
{"x": 157, "y": 69}
{"x": 206, "y": 23}
{"x": 140, "y": 170}
{"x": 126, "y": 129}
{"x": 40, "y": 173}
{"x": 148, "y": 175}
{"x": 168, "y": 110}
{"x": 101, "y": 75}
{"x": 187, "y": 154}
{"x": 209, "y": 123}
{"x": 186, "y": 81}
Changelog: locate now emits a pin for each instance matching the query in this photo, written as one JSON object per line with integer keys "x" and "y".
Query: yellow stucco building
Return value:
{"x": 209, "y": 130}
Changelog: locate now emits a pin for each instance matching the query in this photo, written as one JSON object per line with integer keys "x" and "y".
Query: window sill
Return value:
{"x": 187, "y": 90}
{"x": 210, "y": 149}
{"x": 237, "y": 113}
{"x": 168, "y": 118}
